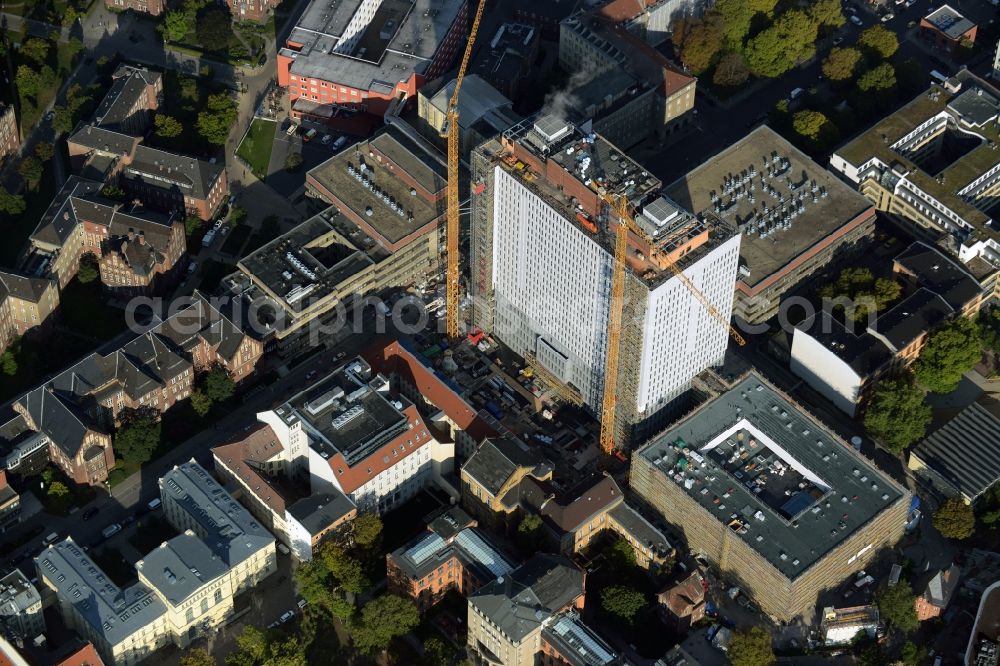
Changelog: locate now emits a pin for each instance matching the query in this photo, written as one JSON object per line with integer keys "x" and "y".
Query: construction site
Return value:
{"x": 547, "y": 208}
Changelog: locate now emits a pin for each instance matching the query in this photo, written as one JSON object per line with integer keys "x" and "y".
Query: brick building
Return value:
{"x": 151, "y": 7}
{"x": 453, "y": 555}
{"x": 770, "y": 496}
{"x": 683, "y": 603}
{"x": 367, "y": 56}
{"x": 10, "y": 133}
{"x": 948, "y": 30}
{"x": 26, "y": 304}
{"x": 78, "y": 408}
{"x": 251, "y": 10}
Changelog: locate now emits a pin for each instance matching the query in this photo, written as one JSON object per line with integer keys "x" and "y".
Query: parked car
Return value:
{"x": 89, "y": 513}
{"x": 292, "y": 128}
{"x": 192, "y": 267}
{"x": 310, "y": 375}
{"x": 855, "y": 20}
{"x": 888, "y": 17}
{"x": 111, "y": 530}
{"x": 326, "y": 139}
{"x": 286, "y": 616}
{"x": 285, "y": 124}
{"x": 50, "y": 539}
{"x": 154, "y": 504}
{"x": 283, "y": 549}
{"x": 341, "y": 140}
{"x": 838, "y": 40}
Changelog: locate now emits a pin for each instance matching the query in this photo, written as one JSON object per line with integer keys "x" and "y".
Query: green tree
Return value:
{"x": 218, "y": 385}
{"x": 896, "y": 606}
{"x": 912, "y": 654}
{"x": 878, "y": 78}
{"x": 951, "y": 351}
{"x": 175, "y": 26}
{"x": 11, "y": 204}
{"x": 841, "y": 64}
{"x": 200, "y": 403}
{"x": 27, "y": 80}
{"x": 189, "y": 88}
{"x": 381, "y": 620}
{"x": 237, "y": 216}
{"x": 878, "y": 41}
{"x": 736, "y": 16}
{"x": 44, "y": 151}
{"x": 35, "y": 49}
{"x": 293, "y": 161}
{"x": 197, "y": 657}
{"x": 251, "y": 648}
{"x": 780, "y": 47}
{"x": 698, "y": 41}
{"x": 138, "y": 436}
{"x": 955, "y": 519}
{"x": 214, "y": 28}
{"x": 58, "y": 496}
{"x": 114, "y": 193}
{"x": 167, "y": 127}
{"x": 897, "y": 414}
{"x": 765, "y": 7}
{"x": 31, "y": 169}
{"x": 620, "y": 556}
{"x": 366, "y": 531}
{"x": 62, "y": 120}
{"x": 812, "y": 126}
{"x": 530, "y": 533}
{"x": 438, "y": 653}
{"x": 622, "y": 603}
{"x": 215, "y": 123}
{"x": 887, "y": 291}
{"x": 193, "y": 223}
{"x": 827, "y": 13}
{"x": 751, "y": 647}
{"x": 8, "y": 362}
{"x": 347, "y": 570}
{"x": 89, "y": 268}
{"x": 74, "y": 45}
{"x": 731, "y": 71}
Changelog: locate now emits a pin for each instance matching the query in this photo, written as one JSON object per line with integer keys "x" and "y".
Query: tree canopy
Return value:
{"x": 789, "y": 40}
{"x": 841, "y": 64}
{"x": 863, "y": 293}
{"x": 31, "y": 169}
{"x": 197, "y": 657}
{"x": 698, "y": 41}
{"x": 175, "y": 26}
{"x": 214, "y": 28}
{"x": 382, "y": 619}
{"x": 89, "y": 268}
{"x": 751, "y": 647}
{"x": 879, "y": 41}
{"x": 200, "y": 403}
{"x": 255, "y": 648}
{"x": 138, "y": 436}
{"x": 897, "y": 414}
{"x": 878, "y": 78}
{"x": 44, "y": 151}
{"x": 896, "y": 606}
{"x": 827, "y": 13}
{"x": 814, "y": 127}
{"x": 215, "y": 123}
{"x": 11, "y": 204}
{"x": 731, "y": 71}
{"x": 955, "y": 519}
{"x": 623, "y": 603}
{"x": 35, "y": 49}
{"x": 366, "y": 531}
{"x": 167, "y": 127}
{"x": 218, "y": 385}
{"x": 951, "y": 351}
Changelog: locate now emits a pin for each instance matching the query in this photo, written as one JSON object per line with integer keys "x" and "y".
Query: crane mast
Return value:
{"x": 619, "y": 205}
{"x": 452, "y": 129}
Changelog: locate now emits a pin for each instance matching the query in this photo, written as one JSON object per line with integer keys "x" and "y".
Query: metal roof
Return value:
{"x": 965, "y": 451}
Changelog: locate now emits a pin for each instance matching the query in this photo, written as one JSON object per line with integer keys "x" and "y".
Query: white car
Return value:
{"x": 326, "y": 139}
{"x": 286, "y": 616}
{"x": 855, "y": 20}
{"x": 888, "y": 17}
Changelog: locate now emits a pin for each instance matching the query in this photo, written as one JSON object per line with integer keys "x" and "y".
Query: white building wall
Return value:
{"x": 681, "y": 338}
{"x": 550, "y": 281}
{"x": 292, "y": 438}
{"x": 299, "y": 539}
{"x": 320, "y": 473}
{"x": 386, "y": 490}
{"x": 823, "y": 370}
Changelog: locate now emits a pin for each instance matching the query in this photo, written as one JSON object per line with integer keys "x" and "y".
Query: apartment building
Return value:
{"x": 453, "y": 555}
{"x": 138, "y": 251}
{"x": 905, "y": 166}
{"x": 10, "y": 504}
{"x": 511, "y": 60}
{"x": 843, "y": 365}
{"x": 769, "y": 495}
{"x": 348, "y": 430}
{"x": 492, "y": 477}
{"x": 367, "y": 56}
{"x": 630, "y": 91}
{"x": 185, "y": 587}
{"x": 10, "y": 133}
{"x": 23, "y": 452}
{"x": 251, "y": 10}
{"x": 135, "y": 94}
{"x": 567, "y": 641}
{"x": 26, "y": 304}
{"x": 948, "y": 30}
{"x": 541, "y": 260}
{"x": 151, "y": 7}
{"x": 193, "y": 500}
{"x": 507, "y": 617}
{"x": 794, "y": 217}
{"x": 20, "y": 608}
{"x": 300, "y": 517}
{"x": 76, "y": 409}
{"x": 683, "y": 603}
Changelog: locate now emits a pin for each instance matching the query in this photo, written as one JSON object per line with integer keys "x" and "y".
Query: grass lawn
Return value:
{"x": 256, "y": 146}
{"x": 84, "y": 310}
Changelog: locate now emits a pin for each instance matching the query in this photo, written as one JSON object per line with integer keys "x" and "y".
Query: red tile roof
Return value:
{"x": 85, "y": 656}
{"x": 684, "y": 598}
{"x": 242, "y": 458}
{"x": 396, "y": 450}
{"x": 617, "y": 11}
{"x": 393, "y": 359}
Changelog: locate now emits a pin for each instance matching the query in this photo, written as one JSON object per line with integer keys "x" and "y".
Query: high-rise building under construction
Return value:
{"x": 542, "y": 244}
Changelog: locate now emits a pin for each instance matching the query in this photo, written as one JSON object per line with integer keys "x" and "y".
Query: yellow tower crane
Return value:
{"x": 621, "y": 209}
{"x": 451, "y": 129}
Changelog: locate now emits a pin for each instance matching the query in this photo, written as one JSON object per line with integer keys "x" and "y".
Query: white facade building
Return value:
{"x": 552, "y": 285}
